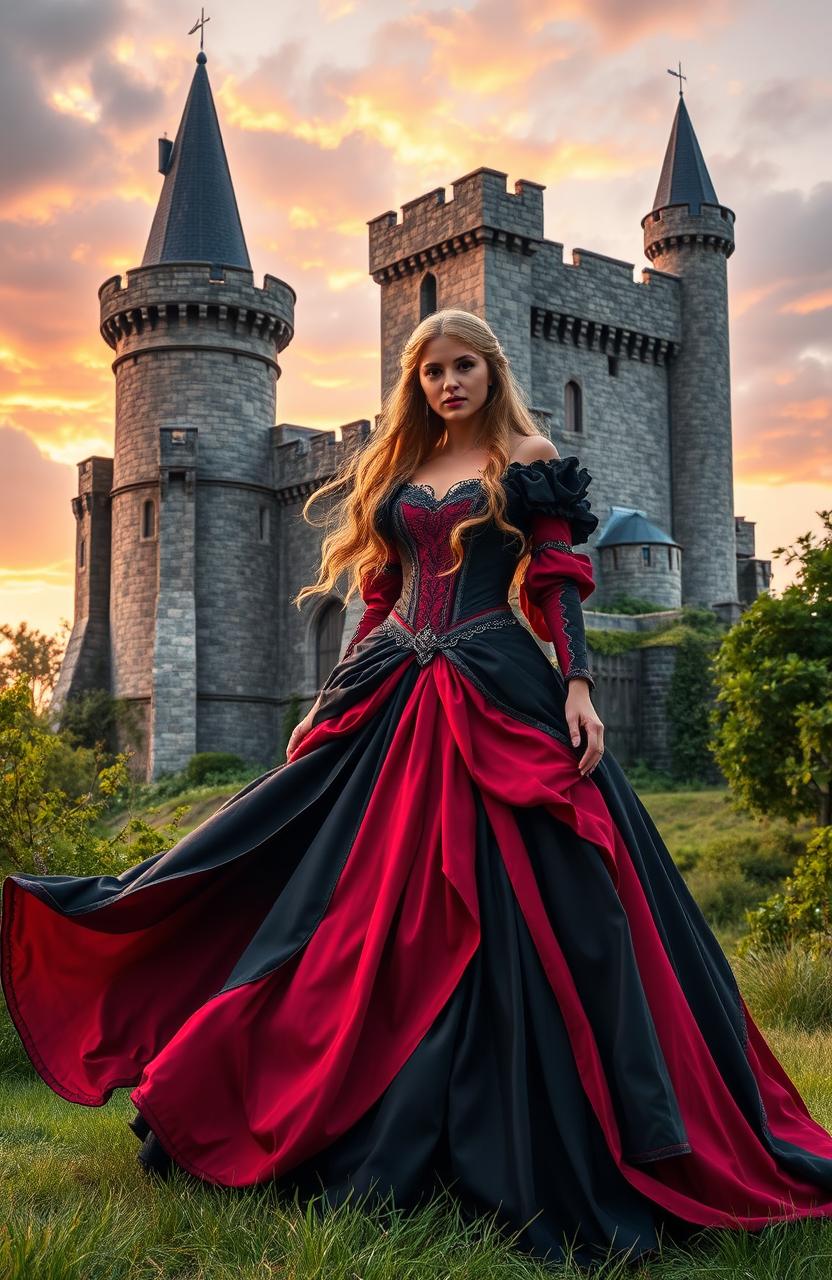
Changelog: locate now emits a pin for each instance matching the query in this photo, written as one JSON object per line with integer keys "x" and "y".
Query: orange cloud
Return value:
{"x": 818, "y": 301}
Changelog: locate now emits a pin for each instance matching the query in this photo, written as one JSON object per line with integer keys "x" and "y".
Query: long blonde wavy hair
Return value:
{"x": 408, "y": 431}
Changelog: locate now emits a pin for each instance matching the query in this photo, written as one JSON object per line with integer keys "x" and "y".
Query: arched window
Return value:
{"x": 573, "y": 405}
{"x": 645, "y": 555}
{"x": 427, "y": 295}
{"x": 328, "y": 640}
{"x": 82, "y": 553}
{"x": 264, "y": 524}
{"x": 148, "y": 518}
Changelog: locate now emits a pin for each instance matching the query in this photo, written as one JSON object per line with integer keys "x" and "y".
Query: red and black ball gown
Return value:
{"x": 427, "y": 947}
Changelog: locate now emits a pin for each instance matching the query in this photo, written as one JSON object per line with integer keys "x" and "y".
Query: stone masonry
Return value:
{"x": 190, "y": 544}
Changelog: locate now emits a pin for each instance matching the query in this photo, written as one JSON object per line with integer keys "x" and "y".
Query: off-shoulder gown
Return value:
{"x": 425, "y": 949}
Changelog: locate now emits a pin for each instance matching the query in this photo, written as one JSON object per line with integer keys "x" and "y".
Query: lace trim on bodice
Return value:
{"x": 423, "y": 490}
{"x": 474, "y": 482}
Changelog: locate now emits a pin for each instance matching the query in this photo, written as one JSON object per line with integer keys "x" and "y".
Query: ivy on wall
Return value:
{"x": 695, "y": 634}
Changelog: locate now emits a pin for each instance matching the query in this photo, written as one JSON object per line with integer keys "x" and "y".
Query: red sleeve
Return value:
{"x": 558, "y": 579}
{"x": 379, "y": 592}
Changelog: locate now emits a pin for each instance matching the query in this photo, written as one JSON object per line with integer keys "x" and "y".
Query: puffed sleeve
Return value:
{"x": 558, "y": 579}
{"x": 379, "y": 592}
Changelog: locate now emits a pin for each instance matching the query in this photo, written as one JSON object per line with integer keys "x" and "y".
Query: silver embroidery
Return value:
{"x": 553, "y": 542}
{"x": 426, "y": 643}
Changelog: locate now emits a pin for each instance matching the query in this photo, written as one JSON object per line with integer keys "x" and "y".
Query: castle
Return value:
{"x": 189, "y": 541}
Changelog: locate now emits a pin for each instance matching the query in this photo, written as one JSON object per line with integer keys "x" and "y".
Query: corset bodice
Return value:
{"x": 420, "y": 524}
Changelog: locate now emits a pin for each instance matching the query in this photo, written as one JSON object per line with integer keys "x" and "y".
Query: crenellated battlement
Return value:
{"x": 675, "y": 227}
{"x": 302, "y": 464}
{"x": 174, "y": 299}
{"x": 594, "y": 302}
{"x": 482, "y": 211}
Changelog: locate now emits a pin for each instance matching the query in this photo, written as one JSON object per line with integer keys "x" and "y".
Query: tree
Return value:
{"x": 53, "y": 796}
{"x": 772, "y": 716}
{"x": 34, "y": 655}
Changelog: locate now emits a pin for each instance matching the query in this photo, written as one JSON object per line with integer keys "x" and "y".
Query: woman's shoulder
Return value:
{"x": 534, "y": 448}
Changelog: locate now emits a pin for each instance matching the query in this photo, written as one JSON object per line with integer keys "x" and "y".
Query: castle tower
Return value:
{"x": 475, "y": 251}
{"x": 690, "y": 234}
{"x": 193, "y": 619}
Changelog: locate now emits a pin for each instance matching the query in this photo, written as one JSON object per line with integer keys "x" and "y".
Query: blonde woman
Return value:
{"x": 443, "y": 944}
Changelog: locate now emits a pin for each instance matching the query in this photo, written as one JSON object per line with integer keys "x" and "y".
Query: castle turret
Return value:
{"x": 193, "y": 626}
{"x": 690, "y": 234}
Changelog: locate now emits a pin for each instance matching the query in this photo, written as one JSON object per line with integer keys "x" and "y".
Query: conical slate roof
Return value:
{"x": 684, "y": 177}
{"x": 197, "y": 219}
{"x": 628, "y": 525}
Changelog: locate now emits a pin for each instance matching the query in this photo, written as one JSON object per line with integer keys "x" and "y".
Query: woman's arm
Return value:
{"x": 379, "y": 593}
{"x": 558, "y": 579}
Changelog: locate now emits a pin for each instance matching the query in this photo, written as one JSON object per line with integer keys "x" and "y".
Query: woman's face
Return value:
{"x": 454, "y": 379}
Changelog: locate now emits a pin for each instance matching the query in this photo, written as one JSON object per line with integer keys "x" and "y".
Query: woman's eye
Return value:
{"x": 466, "y": 364}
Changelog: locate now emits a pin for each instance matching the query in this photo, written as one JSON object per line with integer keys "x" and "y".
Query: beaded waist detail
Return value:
{"x": 426, "y": 643}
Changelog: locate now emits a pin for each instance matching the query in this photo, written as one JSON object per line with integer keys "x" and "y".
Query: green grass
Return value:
{"x": 76, "y": 1204}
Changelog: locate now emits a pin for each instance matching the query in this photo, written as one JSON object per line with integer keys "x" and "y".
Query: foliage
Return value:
{"x": 53, "y": 796}
{"x": 646, "y": 780}
{"x": 613, "y": 641}
{"x": 730, "y": 874}
{"x": 91, "y": 718}
{"x": 35, "y": 656}
{"x": 689, "y": 699}
{"x": 212, "y": 767}
{"x": 772, "y": 717}
{"x": 632, "y": 604}
{"x": 802, "y": 913}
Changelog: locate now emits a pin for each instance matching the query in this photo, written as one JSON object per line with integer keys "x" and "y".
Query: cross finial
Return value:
{"x": 681, "y": 78}
{"x": 200, "y": 27}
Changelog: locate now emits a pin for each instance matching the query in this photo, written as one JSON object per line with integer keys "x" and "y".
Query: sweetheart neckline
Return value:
{"x": 428, "y": 487}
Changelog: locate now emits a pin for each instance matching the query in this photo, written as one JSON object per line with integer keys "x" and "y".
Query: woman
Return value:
{"x": 443, "y": 944}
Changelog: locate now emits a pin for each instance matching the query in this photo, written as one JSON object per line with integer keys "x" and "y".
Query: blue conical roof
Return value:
{"x": 628, "y": 525}
{"x": 684, "y": 177}
{"x": 197, "y": 219}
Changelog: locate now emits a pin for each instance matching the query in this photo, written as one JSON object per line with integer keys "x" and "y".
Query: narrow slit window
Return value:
{"x": 427, "y": 295}
{"x": 148, "y": 518}
{"x": 574, "y": 413}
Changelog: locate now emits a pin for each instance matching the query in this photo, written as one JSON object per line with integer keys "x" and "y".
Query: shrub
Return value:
{"x": 46, "y": 829}
{"x": 213, "y": 766}
{"x": 632, "y": 605}
{"x": 801, "y": 913}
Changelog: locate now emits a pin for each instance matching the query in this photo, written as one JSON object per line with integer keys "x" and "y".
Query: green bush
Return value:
{"x": 90, "y": 719}
{"x": 729, "y": 875}
{"x": 787, "y": 987}
{"x": 632, "y": 605}
{"x": 801, "y": 913}
{"x": 53, "y": 797}
{"x": 212, "y": 767}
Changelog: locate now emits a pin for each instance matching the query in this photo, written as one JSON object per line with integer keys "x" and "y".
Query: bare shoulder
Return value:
{"x": 533, "y": 449}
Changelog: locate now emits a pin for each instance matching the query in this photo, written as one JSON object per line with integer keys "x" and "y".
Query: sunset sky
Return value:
{"x": 334, "y": 111}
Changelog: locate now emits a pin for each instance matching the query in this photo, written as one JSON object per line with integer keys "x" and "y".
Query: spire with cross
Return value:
{"x": 200, "y": 27}
{"x": 681, "y": 78}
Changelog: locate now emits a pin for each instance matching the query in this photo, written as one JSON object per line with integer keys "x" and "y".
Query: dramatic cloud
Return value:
{"x": 335, "y": 111}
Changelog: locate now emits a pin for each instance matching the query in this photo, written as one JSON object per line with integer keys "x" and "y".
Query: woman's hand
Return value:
{"x": 299, "y": 732}
{"x": 580, "y": 712}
